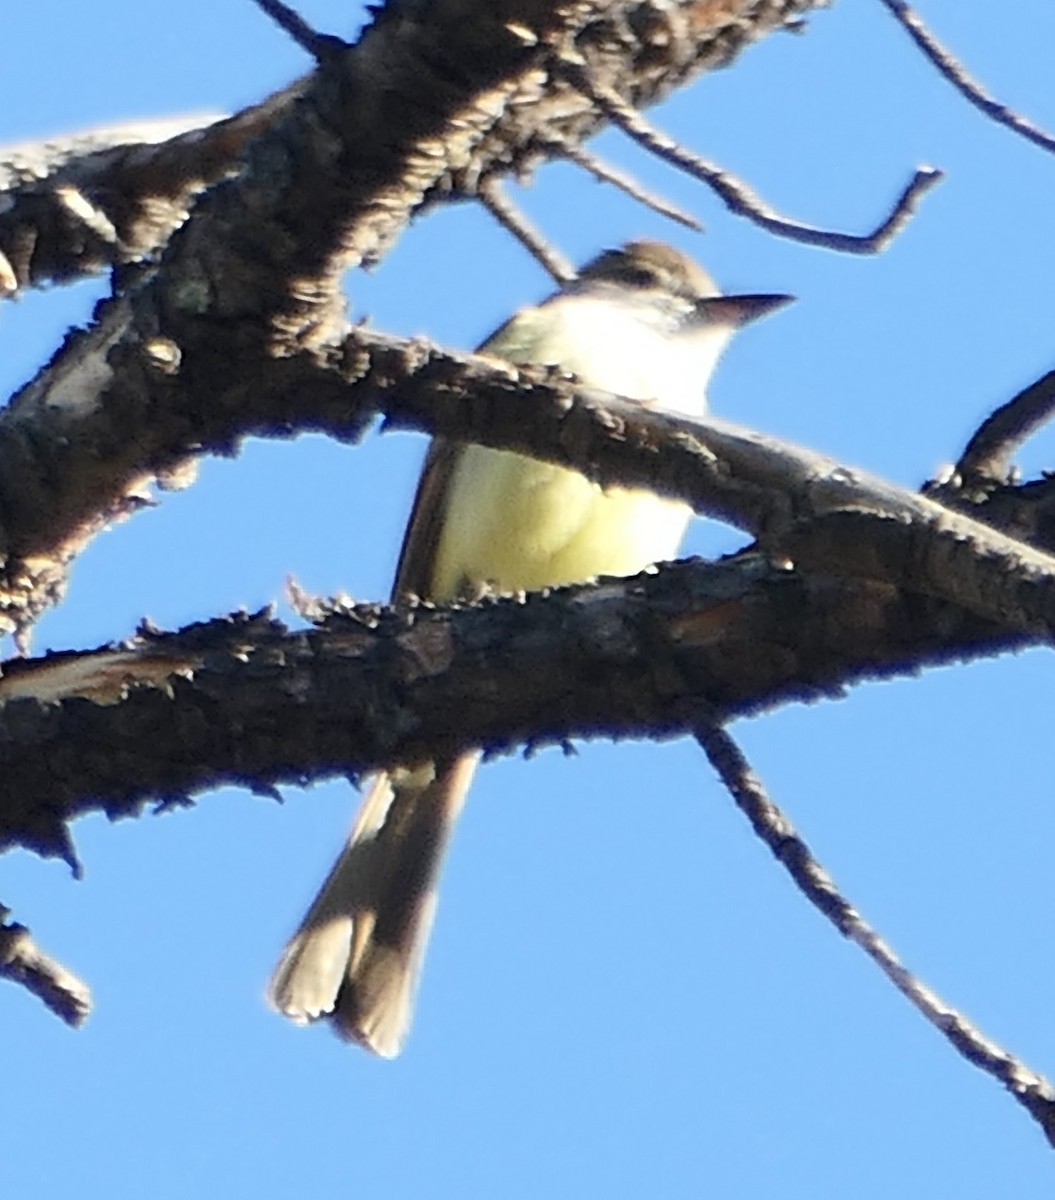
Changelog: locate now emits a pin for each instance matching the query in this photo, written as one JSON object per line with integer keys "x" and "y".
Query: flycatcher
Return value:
{"x": 644, "y": 322}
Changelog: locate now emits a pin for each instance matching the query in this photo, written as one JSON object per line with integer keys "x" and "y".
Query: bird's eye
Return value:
{"x": 640, "y": 277}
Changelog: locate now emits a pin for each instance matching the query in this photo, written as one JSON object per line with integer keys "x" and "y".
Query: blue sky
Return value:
{"x": 624, "y": 996}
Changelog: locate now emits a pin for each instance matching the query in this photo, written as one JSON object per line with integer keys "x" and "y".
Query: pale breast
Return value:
{"x": 517, "y": 524}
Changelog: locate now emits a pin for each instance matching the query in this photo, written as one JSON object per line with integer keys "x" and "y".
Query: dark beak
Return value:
{"x": 739, "y": 310}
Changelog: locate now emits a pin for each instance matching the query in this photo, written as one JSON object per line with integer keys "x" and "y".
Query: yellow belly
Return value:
{"x": 517, "y": 524}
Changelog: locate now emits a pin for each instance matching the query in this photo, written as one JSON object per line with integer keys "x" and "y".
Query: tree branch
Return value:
{"x": 76, "y": 206}
{"x": 626, "y": 183}
{"x": 770, "y": 488}
{"x": 506, "y": 213}
{"x": 319, "y": 46}
{"x": 1029, "y": 1088}
{"x": 25, "y": 964}
{"x": 244, "y": 700}
{"x": 957, "y": 75}
{"x": 738, "y": 197}
{"x": 986, "y": 460}
{"x": 423, "y": 108}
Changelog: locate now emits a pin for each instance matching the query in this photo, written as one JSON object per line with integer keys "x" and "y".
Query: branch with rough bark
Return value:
{"x": 68, "y": 467}
{"x": 245, "y": 700}
{"x": 78, "y": 205}
{"x": 232, "y": 323}
{"x": 424, "y": 107}
{"x": 856, "y": 553}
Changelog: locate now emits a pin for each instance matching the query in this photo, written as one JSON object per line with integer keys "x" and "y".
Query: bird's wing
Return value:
{"x": 512, "y": 341}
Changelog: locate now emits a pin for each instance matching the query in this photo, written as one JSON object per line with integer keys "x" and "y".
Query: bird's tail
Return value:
{"x": 357, "y": 954}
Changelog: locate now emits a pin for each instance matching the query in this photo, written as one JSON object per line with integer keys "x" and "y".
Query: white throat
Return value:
{"x": 633, "y": 349}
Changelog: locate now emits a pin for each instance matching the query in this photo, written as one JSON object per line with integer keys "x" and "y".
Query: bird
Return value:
{"x": 644, "y": 321}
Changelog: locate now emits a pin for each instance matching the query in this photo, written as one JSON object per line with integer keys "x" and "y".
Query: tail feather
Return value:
{"x": 358, "y": 952}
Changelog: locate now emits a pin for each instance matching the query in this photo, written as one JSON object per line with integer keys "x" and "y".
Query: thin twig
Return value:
{"x": 969, "y": 88}
{"x": 739, "y": 198}
{"x": 627, "y": 183}
{"x": 1031, "y": 1090}
{"x": 506, "y": 213}
{"x": 987, "y": 456}
{"x": 24, "y": 963}
{"x": 319, "y": 45}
